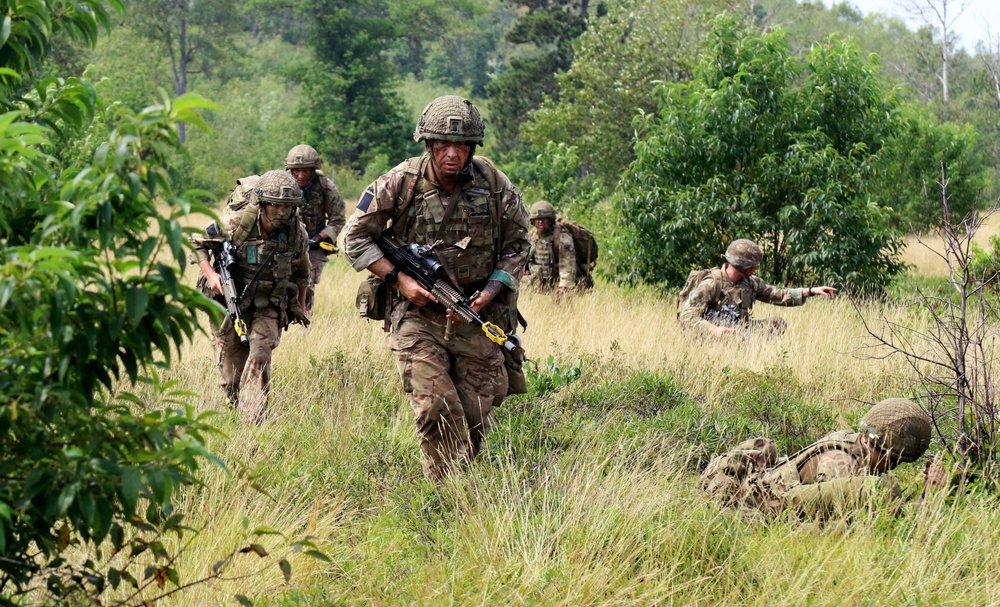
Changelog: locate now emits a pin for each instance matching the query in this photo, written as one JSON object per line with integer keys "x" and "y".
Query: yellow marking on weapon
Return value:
{"x": 327, "y": 246}
{"x": 495, "y": 333}
{"x": 240, "y": 326}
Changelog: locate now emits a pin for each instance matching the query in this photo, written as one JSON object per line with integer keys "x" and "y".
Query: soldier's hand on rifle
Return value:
{"x": 212, "y": 277}
{"x": 719, "y": 330}
{"x": 409, "y": 289}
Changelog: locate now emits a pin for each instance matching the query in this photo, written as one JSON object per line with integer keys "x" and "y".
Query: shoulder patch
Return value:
{"x": 212, "y": 230}
{"x": 366, "y": 200}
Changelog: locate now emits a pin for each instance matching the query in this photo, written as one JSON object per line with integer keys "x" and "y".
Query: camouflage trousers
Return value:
{"x": 318, "y": 259}
{"x": 246, "y": 369}
{"x": 453, "y": 384}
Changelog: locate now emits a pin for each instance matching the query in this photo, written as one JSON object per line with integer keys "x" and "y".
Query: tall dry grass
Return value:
{"x": 564, "y": 508}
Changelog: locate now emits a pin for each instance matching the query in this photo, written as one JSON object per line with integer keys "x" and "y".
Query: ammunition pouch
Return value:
{"x": 372, "y": 298}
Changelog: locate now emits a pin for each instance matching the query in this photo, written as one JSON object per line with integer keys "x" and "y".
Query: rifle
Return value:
{"x": 227, "y": 259}
{"x": 418, "y": 262}
{"x": 727, "y": 316}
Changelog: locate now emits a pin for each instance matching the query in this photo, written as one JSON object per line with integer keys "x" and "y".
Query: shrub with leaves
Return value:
{"x": 91, "y": 256}
{"x": 765, "y": 145}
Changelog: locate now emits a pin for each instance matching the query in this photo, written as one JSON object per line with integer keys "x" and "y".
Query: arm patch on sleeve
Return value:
{"x": 366, "y": 200}
{"x": 212, "y": 230}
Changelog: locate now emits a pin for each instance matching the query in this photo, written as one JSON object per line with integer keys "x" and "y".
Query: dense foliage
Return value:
{"x": 767, "y": 146}
{"x": 90, "y": 296}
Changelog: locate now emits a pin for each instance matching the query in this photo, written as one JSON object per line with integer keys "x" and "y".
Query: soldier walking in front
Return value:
{"x": 272, "y": 274}
{"x": 474, "y": 221}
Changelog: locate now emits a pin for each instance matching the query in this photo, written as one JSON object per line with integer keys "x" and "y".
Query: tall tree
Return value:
{"x": 940, "y": 16}
{"x": 193, "y": 35}
{"x": 548, "y": 27}
{"x": 351, "y": 110}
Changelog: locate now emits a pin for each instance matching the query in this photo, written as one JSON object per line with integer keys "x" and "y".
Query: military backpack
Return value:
{"x": 585, "y": 245}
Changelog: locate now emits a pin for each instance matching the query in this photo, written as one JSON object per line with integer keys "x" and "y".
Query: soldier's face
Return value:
{"x": 448, "y": 157}
{"x": 542, "y": 224}
{"x": 748, "y": 272}
{"x": 303, "y": 175}
{"x": 278, "y": 213}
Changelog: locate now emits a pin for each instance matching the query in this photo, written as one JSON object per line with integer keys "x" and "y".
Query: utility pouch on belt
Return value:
{"x": 517, "y": 383}
{"x": 372, "y": 297}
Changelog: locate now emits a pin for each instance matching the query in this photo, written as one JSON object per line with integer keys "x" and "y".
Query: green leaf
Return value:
{"x": 136, "y": 300}
{"x": 286, "y": 569}
{"x": 131, "y": 485}
{"x": 244, "y": 600}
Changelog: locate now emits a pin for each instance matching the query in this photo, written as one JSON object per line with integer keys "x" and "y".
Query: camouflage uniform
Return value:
{"x": 552, "y": 259}
{"x": 278, "y": 264}
{"x": 716, "y": 294}
{"x": 453, "y": 382}
{"x": 832, "y": 475}
{"x": 322, "y": 211}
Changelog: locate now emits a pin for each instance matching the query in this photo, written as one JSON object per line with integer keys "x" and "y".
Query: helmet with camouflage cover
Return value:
{"x": 303, "y": 156}
{"x": 542, "y": 210}
{"x": 743, "y": 253}
{"x": 900, "y": 427}
{"x": 451, "y": 118}
{"x": 278, "y": 187}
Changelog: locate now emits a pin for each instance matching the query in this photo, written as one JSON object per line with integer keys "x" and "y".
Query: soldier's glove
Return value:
{"x": 297, "y": 315}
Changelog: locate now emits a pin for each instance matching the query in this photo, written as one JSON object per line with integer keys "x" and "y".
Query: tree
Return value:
{"x": 767, "y": 146}
{"x": 193, "y": 34}
{"x": 550, "y": 29}
{"x": 351, "y": 111}
{"x": 91, "y": 305}
{"x": 616, "y": 63}
{"x": 911, "y": 165}
{"x": 940, "y": 16}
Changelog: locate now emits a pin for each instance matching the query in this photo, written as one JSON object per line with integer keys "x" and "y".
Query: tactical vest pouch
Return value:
{"x": 372, "y": 298}
{"x": 517, "y": 383}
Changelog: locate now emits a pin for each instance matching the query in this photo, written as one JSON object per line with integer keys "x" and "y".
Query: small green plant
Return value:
{"x": 543, "y": 381}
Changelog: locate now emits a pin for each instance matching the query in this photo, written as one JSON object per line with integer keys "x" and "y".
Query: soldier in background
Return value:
{"x": 721, "y": 300}
{"x": 836, "y": 474}
{"x": 322, "y": 210}
{"x": 552, "y": 258}
{"x": 475, "y": 220}
{"x": 272, "y": 275}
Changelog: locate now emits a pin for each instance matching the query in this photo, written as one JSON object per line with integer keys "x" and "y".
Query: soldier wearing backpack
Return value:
{"x": 473, "y": 219}
{"x": 322, "y": 209}
{"x": 271, "y": 273}
{"x": 562, "y": 252}
{"x": 720, "y": 300}
{"x": 837, "y": 473}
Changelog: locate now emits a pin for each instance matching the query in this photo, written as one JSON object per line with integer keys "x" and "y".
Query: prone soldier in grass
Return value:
{"x": 471, "y": 218}
{"x": 322, "y": 210}
{"x": 839, "y": 472}
{"x": 271, "y": 274}
{"x": 721, "y": 300}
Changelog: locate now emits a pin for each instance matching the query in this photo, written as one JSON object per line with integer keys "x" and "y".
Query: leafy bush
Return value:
{"x": 767, "y": 146}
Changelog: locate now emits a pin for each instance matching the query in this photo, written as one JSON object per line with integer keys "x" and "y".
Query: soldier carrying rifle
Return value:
{"x": 720, "y": 300}
{"x": 261, "y": 274}
{"x": 472, "y": 218}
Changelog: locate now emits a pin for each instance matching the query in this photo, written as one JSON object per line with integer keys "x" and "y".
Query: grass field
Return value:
{"x": 585, "y": 494}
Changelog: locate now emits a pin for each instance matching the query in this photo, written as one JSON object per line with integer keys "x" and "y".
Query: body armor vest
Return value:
{"x": 740, "y": 295}
{"x": 463, "y": 242}
{"x": 313, "y": 211}
{"x": 785, "y": 476}
{"x": 544, "y": 259}
{"x": 269, "y": 259}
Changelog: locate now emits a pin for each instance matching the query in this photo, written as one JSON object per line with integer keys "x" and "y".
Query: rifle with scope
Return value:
{"x": 419, "y": 262}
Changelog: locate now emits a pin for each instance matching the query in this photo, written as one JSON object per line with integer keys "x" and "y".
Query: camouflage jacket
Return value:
{"x": 716, "y": 291}
{"x": 286, "y": 252}
{"x": 323, "y": 209}
{"x": 466, "y": 243}
{"x": 552, "y": 259}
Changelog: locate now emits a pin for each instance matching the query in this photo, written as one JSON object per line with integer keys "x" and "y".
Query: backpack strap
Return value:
{"x": 489, "y": 170}
{"x": 415, "y": 168}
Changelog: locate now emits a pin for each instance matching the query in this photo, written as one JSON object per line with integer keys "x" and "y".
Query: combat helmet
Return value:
{"x": 900, "y": 427}
{"x": 303, "y": 156}
{"x": 278, "y": 187}
{"x": 542, "y": 210}
{"x": 451, "y": 118}
{"x": 743, "y": 253}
